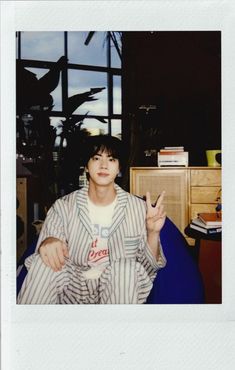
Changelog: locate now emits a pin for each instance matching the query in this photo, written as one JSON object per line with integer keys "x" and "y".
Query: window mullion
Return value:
{"x": 19, "y": 44}
{"x": 64, "y": 74}
{"x": 109, "y": 84}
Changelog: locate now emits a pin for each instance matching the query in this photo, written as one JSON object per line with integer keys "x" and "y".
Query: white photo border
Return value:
{"x": 57, "y": 324}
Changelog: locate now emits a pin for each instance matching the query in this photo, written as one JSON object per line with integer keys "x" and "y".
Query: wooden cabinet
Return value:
{"x": 205, "y": 187}
{"x": 174, "y": 182}
{"x": 27, "y": 194}
{"x": 189, "y": 190}
{"x": 21, "y": 193}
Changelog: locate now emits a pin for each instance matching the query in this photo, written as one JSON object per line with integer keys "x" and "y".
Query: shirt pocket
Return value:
{"x": 131, "y": 245}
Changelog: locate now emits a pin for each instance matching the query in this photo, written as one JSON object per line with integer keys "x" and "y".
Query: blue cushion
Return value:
{"x": 180, "y": 280}
{"x": 22, "y": 269}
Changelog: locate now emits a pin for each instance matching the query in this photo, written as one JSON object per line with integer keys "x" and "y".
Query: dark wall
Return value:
{"x": 180, "y": 73}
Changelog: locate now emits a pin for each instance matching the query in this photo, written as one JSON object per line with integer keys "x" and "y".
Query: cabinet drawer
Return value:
{"x": 209, "y": 177}
{"x": 197, "y": 208}
{"x": 205, "y": 194}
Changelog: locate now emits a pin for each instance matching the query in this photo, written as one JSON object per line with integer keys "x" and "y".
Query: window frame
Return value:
{"x": 110, "y": 71}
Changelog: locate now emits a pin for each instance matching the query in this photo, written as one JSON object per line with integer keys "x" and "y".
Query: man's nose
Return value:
{"x": 104, "y": 163}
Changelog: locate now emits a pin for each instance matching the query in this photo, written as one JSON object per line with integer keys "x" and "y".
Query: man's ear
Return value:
{"x": 86, "y": 169}
{"x": 119, "y": 172}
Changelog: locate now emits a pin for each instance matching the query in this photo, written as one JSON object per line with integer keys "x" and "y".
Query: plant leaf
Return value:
{"x": 50, "y": 80}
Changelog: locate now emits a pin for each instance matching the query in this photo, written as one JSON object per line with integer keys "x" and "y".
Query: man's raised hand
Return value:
{"x": 155, "y": 216}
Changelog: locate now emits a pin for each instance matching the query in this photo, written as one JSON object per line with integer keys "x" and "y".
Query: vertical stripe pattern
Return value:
{"x": 124, "y": 281}
{"x": 132, "y": 268}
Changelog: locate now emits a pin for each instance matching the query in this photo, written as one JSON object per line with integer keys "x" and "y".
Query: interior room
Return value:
{"x": 157, "y": 91}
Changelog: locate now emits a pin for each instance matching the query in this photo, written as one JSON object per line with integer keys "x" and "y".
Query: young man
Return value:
{"x": 99, "y": 244}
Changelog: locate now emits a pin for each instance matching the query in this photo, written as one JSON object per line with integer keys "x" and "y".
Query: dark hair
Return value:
{"x": 112, "y": 145}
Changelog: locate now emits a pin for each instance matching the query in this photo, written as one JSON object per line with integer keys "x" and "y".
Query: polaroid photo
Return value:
{"x": 156, "y": 77}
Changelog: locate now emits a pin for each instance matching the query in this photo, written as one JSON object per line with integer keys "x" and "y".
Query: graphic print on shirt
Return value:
{"x": 99, "y": 249}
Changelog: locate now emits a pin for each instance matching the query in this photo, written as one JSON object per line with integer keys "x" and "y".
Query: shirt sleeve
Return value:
{"x": 144, "y": 254}
{"x": 161, "y": 261}
{"x": 54, "y": 224}
{"x": 146, "y": 258}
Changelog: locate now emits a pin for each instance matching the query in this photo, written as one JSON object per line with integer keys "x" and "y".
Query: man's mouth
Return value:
{"x": 102, "y": 174}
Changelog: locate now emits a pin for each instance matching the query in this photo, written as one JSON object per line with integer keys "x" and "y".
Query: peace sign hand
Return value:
{"x": 155, "y": 216}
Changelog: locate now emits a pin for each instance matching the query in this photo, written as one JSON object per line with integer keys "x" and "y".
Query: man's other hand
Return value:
{"x": 53, "y": 252}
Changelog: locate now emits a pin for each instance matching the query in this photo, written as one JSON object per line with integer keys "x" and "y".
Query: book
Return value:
{"x": 181, "y": 148}
{"x": 209, "y": 231}
{"x": 212, "y": 219}
{"x": 197, "y": 221}
{"x": 179, "y": 158}
{"x": 199, "y": 225}
{"x": 167, "y": 152}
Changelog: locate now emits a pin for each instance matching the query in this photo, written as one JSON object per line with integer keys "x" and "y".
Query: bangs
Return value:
{"x": 102, "y": 143}
{"x": 112, "y": 152}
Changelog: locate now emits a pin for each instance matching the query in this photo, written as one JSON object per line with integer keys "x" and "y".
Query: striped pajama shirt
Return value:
{"x": 127, "y": 279}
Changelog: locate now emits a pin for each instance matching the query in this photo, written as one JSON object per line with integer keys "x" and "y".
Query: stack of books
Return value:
{"x": 208, "y": 223}
{"x": 172, "y": 156}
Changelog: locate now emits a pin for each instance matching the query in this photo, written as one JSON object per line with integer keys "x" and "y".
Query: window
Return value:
{"x": 94, "y": 61}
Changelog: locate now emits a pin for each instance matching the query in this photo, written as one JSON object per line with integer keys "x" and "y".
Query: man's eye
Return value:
{"x": 96, "y": 158}
{"x": 112, "y": 159}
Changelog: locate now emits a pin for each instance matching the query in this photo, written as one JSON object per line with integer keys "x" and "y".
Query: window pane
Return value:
{"x": 57, "y": 97}
{"x": 115, "y": 59}
{"x": 117, "y": 95}
{"x": 94, "y": 53}
{"x": 39, "y": 72}
{"x": 56, "y": 94}
{"x": 56, "y": 122}
{"x": 48, "y": 46}
{"x": 17, "y": 40}
{"x": 82, "y": 81}
{"x": 116, "y": 127}
{"x": 94, "y": 126}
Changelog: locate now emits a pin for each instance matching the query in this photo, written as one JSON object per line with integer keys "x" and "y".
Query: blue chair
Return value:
{"x": 21, "y": 269}
{"x": 180, "y": 281}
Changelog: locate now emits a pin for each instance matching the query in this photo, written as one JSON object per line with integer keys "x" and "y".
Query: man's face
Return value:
{"x": 103, "y": 168}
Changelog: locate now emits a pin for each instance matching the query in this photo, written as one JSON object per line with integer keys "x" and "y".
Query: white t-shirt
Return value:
{"x": 101, "y": 219}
